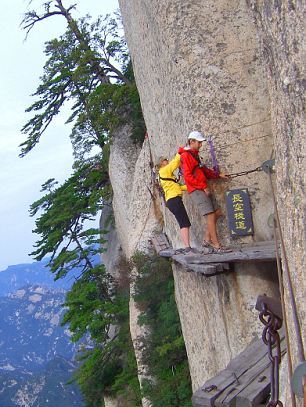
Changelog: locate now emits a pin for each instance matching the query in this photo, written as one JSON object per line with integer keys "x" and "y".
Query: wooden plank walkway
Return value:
{"x": 245, "y": 382}
{"x": 260, "y": 252}
{"x": 212, "y": 264}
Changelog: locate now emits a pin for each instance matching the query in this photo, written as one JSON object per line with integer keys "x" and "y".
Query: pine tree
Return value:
{"x": 89, "y": 67}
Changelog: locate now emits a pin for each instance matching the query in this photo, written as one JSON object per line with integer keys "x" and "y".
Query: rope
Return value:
{"x": 213, "y": 155}
{"x": 241, "y": 141}
{"x": 281, "y": 289}
{"x": 145, "y": 219}
{"x": 296, "y": 321}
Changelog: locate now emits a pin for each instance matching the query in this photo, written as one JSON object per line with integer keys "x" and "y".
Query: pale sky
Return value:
{"x": 21, "y": 178}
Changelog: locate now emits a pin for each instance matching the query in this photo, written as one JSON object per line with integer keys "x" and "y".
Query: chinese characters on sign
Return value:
{"x": 239, "y": 212}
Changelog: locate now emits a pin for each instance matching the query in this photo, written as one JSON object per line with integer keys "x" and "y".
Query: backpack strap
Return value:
{"x": 196, "y": 157}
{"x": 168, "y": 179}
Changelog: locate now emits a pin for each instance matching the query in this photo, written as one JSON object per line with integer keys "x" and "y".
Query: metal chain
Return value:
{"x": 271, "y": 338}
{"x": 239, "y": 174}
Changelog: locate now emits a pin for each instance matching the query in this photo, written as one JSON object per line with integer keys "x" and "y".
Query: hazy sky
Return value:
{"x": 21, "y": 178}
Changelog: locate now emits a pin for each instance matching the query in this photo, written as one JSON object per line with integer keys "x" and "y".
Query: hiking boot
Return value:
{"x": 186, "y": 250}
{"x": 192, "y": 250}
{"x": 207, "y": 250}
{"x": 221, "y": 250}
{"x": 206, "y": 245}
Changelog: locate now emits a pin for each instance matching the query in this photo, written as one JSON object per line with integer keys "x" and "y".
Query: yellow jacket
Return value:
{"x": 171, "y": 189}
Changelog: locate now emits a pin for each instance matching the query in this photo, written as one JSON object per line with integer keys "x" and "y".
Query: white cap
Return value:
{"x": 196, "y": 135}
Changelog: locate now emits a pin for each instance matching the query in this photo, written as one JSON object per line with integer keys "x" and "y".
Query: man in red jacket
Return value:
{"x": 195, "y": 176}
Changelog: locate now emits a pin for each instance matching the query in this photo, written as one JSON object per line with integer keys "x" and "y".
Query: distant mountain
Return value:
{"x": 36, "y": 273}
{"x": 37, "y": 358}
{"x": 46, "y": 388}
{"x": 36, "y": 354}
{"x": 30, "y": 331}
{"x": 20, "y": 275}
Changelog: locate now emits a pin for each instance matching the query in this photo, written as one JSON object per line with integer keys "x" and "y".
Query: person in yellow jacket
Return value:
{"x": 173, "y": 196}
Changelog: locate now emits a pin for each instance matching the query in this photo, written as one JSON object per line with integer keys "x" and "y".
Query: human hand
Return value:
{"x": 224, "y": 175}
{"x": 207, "y": 191}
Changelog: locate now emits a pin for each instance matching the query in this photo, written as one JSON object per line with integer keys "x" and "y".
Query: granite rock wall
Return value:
{"x": 198, "y": 67}
{"x": 209, "y": 66}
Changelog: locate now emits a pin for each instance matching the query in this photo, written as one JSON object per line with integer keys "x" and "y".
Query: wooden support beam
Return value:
{"x": 207, "y": 270}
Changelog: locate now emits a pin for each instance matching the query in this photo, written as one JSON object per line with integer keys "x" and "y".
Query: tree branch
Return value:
{"x": 31, "y": 18}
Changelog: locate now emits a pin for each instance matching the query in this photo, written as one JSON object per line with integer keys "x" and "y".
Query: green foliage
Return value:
{"x": 136, "y": 117}
{"x": 65, "y": 210}
{"x": 165, "y": 349}
{"x": 88, "y": 66}
{"x": 109, "y": 367}
{"x": 82, "y": 68}
{"x": 86, "y": 304}
{"x": 95, "y": 305}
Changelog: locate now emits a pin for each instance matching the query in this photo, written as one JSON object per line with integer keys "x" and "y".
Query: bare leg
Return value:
{"x": 185, "y": 236}
{"x": 208, "y": 236}
{"x": 218, "y": 213}
{"x": 211, "y": 232}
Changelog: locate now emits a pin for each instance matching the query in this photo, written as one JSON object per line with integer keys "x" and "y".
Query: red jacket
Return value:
{"x": 194, "y": 176}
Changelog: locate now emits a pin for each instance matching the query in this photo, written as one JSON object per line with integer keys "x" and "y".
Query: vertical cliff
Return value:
{"x": 280, "y": 28}
{"x": 200, "y": 66}
{"x": 136, "y": 217}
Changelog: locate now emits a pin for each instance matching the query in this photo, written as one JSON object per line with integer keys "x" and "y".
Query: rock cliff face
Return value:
{"x": 200, "y": 66}
{"x": 281, "y": 32}
{"x": 136, "y": 216}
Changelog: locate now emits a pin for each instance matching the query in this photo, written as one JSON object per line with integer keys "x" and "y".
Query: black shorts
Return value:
{"x": 176, "y": 206}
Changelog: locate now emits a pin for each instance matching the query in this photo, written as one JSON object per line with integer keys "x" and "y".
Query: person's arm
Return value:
{"x": 224, "y": 175}
{"x": 174, "y": 163}
{"x": 209, "y": 173}
{"x": 167, "y": 170}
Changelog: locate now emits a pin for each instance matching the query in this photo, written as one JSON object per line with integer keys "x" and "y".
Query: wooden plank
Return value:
{"x": 261, "y": 243}
{"x": 226, "y": 387}
{"x": 259, "y": 253}
{"x": 160, "y": 242}
{"x": 248, "y": 358}
{"x": 246, "y": 378}
{"x": 228, "y": 397}
{"x": 207, "y": 394}
{"x": 255, "y": 392}
{"x": 228, "y": 377}
{"x": 181, "y": 258}
{"x": 166, "y": 252}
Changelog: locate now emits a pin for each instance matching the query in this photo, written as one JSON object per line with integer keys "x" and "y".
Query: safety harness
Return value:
{"x": 176, "y": 180}
{"x": 197, "y": 158}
